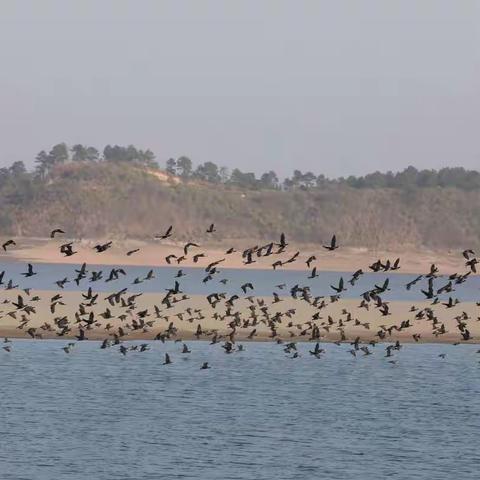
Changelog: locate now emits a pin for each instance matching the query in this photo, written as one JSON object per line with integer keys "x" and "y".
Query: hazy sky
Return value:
{"x": 337, "y": 87}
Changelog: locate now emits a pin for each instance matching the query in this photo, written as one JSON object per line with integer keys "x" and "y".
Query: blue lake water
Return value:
{"x": 257, "y": 414}
{"x": 264, "y": 281}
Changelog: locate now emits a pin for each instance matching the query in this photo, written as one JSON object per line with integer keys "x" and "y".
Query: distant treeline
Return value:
{"x": 410, "y": 177}
{"x": 210, "y": 172}
{"x": 119, "y": 193}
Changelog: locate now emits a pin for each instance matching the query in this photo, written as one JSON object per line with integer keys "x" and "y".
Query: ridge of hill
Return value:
{"x": 123, "y": 200}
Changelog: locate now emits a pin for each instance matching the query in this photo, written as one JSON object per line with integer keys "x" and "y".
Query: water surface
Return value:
{"x": 256, "y": 414}
{"x": 265, "y": 281}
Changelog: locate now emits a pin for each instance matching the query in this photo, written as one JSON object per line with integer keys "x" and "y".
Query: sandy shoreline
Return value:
{"x": 186, "y": 323}
{"x": 154, "y": 254}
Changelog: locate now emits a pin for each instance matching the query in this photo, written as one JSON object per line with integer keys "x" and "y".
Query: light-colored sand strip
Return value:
{"x": 154, "y": 253}
{"x": 187, "y": 323}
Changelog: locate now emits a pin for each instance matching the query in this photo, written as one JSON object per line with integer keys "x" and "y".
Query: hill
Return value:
{"x": 130, "y": 200}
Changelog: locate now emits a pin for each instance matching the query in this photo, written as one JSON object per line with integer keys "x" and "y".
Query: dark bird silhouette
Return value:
{"x": 466, "y": 335}
{"x": 246, "y": 286}
{"x": 61, "y": 283}
{"x": 317, "y": 351}
{"x": 310, "y": 260}
{"x": 333, "y": 244}
{"x": 102, "y": 247}
{"x": 396, "y": 265}
{"x": 228, "y": 347}
{"x": 313, "y": 273}
{"x": 383, "y": 288}
{"x": 169, "y": 258}
{"x": 340, "y": 287}
{"x": 189, "y": 245}
{"x": 167, "y": 234}
{"x": 67, "y": 249}
{"x": 409, "y": 285}
{"x": 29, "y": 272}
{"x": 429, "y": 293}
{"x": 472, "y": 264}
{"x": 55, "y": 232}
{"x": 197, "y": 257}
{"x": 356, "y": 275}
{"x": 8, "y": 243}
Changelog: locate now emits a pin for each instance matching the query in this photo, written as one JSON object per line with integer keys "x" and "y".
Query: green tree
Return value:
{"x": 82, "y": 153}
{"x": 308, "y": 179}
{"x": 171, "y": 166}
{"x": 147, "y": 158}
{"x": 185, "y": 166}
{"x": 244, "y": 180}
{"x": 288, "y": 184}
{"x": 92, "y": 154}
{"x": 224, "y": 174}
{"x": 79, "y": 153}
{"x": 208, "y": 172}
{"x": 321, "y": 181}
{"x": 42, "y": 162}
{"x": 17, "y": 169}
{"x": 59, "y": 154}
{"x": 118, "y": 153}
{"x": 269, "y": 180}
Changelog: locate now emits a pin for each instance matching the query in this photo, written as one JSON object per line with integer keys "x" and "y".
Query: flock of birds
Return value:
{"x": 235, "y": 322}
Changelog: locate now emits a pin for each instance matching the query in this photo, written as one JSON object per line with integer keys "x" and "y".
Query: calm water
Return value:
{"x": 255, "y": 415}
{"x": 264, "y": 281}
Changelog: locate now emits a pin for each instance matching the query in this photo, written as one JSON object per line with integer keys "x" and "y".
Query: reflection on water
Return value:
{"x": 257, "y": 414}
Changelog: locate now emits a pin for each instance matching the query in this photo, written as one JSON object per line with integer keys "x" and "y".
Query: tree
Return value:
{"x": 308, "y": 179}
{"x": 224, "y": 174}
{"x": 185, "y": 166}
{"x": 42, "y": 161}
{"x": 288, "y": 184}
{"x": 302, "y": 180}
{"x": 208, "y": 172}
{"x": 131, "y": 154}
{"x": 79, "y": 153}
{"x": 375, "y": 180}
{"x": 269, "y": 180}
{"x": 147, "y": 158}
{"x": 59, "y": 154}
{"x": 17, "y": 169}
{"x": 117, "y": 153}
{"x": 171, "y": 166}
{"x": 109, "y": 153}
{"x": 45, "y": 162}
{"x": 92, "y": 154}
{"x": 297, "y": 178}
{"x": 82, "y": 153}
{"x": 407, "y": 178}
{"x": 244, "y": 180}
{"x": 321, "y": 181}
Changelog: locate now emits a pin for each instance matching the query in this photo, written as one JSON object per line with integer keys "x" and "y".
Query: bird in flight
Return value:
{"x": 333, "y": 244}
{"x": 8, "y": 243}
{"x": 167, "y": 234}
{"x": 55, "y": 232}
